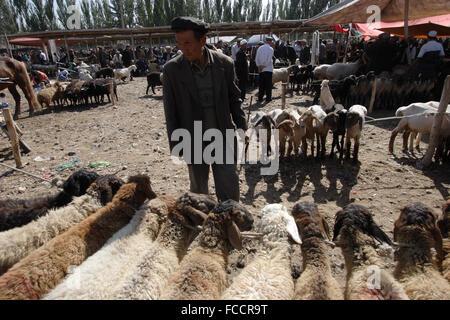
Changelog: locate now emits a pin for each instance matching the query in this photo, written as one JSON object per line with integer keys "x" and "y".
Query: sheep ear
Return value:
{"x": 327, "y": 234}
{"x": 292, "y": 229}
{"x": 195, "y": 215}
{"x": 379, "y": 234}
{"x": 234, "y": 236}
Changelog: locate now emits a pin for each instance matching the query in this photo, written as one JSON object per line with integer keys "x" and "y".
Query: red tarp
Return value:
{"x": 37, "y": 42}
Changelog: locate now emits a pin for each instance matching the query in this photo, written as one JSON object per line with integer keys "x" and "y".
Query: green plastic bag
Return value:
{"x": 99, "y": 164}
{"x": 68, "y": 164}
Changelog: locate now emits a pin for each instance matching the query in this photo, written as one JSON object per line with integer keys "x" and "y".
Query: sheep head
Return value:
{"x": 417, "y": 226}
{"x": 353, "y": 219}
{"x": 309, "y": 221}
{"x": 191, "y": 209}
{"x": 352, "y": 119}
{"x": 226, "y": 221}
{"x": 105, "y": 187}
{"x": 276, "y": 223}
{"x": 444, "y": 221}
{"x": 77, "y": 184}
{"x": 331, "y": 120}
{"x": 136, "y": 191}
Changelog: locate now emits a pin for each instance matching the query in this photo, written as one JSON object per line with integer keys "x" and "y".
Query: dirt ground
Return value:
{"x": 131, "y": 135}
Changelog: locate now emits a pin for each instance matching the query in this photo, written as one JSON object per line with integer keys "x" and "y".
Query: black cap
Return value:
{"x": 189, "y": 23}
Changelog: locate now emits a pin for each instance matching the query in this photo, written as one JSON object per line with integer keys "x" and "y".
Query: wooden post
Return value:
{"x": 151, "y": 47}
{"x": 374, "y": 93}
{"x": 13, "y": 137}
{"x": 132, "y": 47}
{"x": 95, "y": 40}
{"x": 111, "y": 93}
{"x": 408, "y": 53}
{"x": 283, "y": 95}
{"x": 9, "y": 47}
{"x": 434, "y": 136}
{"x": 67, "y": 48}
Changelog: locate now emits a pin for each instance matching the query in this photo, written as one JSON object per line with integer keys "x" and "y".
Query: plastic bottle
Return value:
{"x": 99, "y": 164}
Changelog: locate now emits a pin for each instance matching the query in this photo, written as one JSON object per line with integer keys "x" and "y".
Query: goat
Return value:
{"x": 104, "y": 73}
{"x": 153, "y": 80}
{"x": 354, "y": 123}
{"x": 125, "y": 73}
{"x": 46, "y": 96}
{"x": 336, "y": 122}
{"x": 202, "y": 272}
{"x": 16, "y": 213}
{"x": 268, "y": 275}
{"x": 44, "y": 268}
{"x": 358, "y": 236}
{"x": 316, "y": 281}
{"x": 149, "y": 277}
{"x": 338, "y": 71}
{"x": 259, "y": 123}
{"x": 416, "y": 232}
{"x": 320, "y": 72}
{"x": 326, "y": 98}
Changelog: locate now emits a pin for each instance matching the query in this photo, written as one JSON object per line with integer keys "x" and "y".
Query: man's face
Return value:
{"x": 244, "y": 47}
{"x": 189, "y": 45}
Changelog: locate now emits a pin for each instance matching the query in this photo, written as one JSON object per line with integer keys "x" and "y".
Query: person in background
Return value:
{"x": 297, "y": 48}
{"x": 264, "y": 62}
{"x": 127, "y": 57}
{"x": 219, "y": 46}
{"x": 323, "y": 52}
{"x": 167, "y": 55}
{"x": 235, "y": 48}
{"x": 117, "y": 60}
{"x": 39, "y": 78}
{"x": 305, "y": 53}
{"x": 241, "y": 66}
{"x": 430, "y": 56}
{"x": 42, "y": 57}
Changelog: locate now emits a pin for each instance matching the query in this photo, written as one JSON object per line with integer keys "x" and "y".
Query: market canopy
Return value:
{"x": 253, "y": 40}
{"x": 420, "y": 31}
{"x": 36, "y": 42}
{"x": 358, "y": 11}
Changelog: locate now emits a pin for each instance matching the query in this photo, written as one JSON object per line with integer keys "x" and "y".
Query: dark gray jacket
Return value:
{"x": 181, "y": 100}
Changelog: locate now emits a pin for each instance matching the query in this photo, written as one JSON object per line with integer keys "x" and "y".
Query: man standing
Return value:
{"x": 219, "y": 46}
{"x": 430, "y": 56}
{"x": 235, "y": 48}
{"x": 242, "y": 68}
{"x": 127, "y": 57}
{"x": 199, "y": 88}
{"x": 265, "y": 68}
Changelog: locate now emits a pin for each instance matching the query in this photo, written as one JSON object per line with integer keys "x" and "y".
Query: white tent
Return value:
{"x": 214, "y": 40}
{"x": 253, "y": 40}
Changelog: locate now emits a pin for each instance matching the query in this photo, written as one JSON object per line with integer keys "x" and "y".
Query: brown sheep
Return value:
{"x": 359, "y": 236}
{"x": 416, "y": 232}
{"x": 47, "y": 95}
{"x": 44, "y": 268}
{"x": 444, "y": 226}
{"x": 316, "y": 281}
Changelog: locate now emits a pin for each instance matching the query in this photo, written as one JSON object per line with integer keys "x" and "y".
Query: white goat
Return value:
{"x": 326, "y": 98}
{"x": 320, "y": 72}
{"x": 354, "y": 124}
{"x": 338, "y": 71}
{"x": 268, "y": 275}
{"x": 120, "y": 74}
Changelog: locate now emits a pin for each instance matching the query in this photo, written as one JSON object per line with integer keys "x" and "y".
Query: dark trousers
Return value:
{"x": 243, "y": 86}
{"x": 226, "y": 180}
{"x": 265, "y": 85}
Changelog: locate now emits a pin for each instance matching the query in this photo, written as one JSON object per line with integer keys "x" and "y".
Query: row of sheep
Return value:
{"x": 297, "y": 129}
{"x": 89, "y": 72}
{"x": 77, "y": 92}
{"x": 149, "y": 253}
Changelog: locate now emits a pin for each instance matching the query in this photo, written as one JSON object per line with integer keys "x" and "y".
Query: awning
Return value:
{"x": 357, "y": 11}
{"x": 420, "y": 30}
{"x": 37, "y": 42}
{"x": 253, "y": 40}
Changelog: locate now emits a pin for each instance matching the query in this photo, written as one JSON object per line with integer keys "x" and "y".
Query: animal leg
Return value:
{"x": 356, "y": 150}
{"x": 347, "y": 147}
{"x": 419, "y": 137}
{"x": 406, "y": 135}
{"x": 16, "y": 97}
{"x": 146, "y": 91}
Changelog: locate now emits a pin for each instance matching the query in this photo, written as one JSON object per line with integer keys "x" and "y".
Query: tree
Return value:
{"x": 227, "y": 11}
{"x": 62, "y": 11}
{"x": 158, "y": 13}
{"x": 141, "y": 13}
{"x": 274, "y": 10}
{"x": 86, "y": 14}
{"x": 7, "y": 14}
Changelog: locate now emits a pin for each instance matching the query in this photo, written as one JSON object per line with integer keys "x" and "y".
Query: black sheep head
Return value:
{"x": 77, "y": 184}
{"x": 106, "y": 187}
{"x": 191, "y": 209}
{"x": 309, "y": 221}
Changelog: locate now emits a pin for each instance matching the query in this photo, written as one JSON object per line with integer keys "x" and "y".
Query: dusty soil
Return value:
{"x": 132, "y": 136}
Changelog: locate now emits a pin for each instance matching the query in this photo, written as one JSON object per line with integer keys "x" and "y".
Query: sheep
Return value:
{"x": 326, "y": 99}
{"x": 17, "y": 243}
{"x": 44, "y": 268}
{"x": 421, "y": 123}
{"x": 125, "y": 73}
{"x": 320, "y": 72}
{"x": 153, "y": 80}
{"x": 102, "y": 87}
{"x": 416, "y": 232}
{"x": 84, "y": 74}
{"x": 413, "y": 109}
{"x": 73, "y": 90}
{"x": 444, "y": 227}
{"x": 314, "y": 129}
{"x": 282, "y": 74}
{"x": 338, "y": 71}
{"x": 119, "y": 254}
{"x": 358, "y": 236}
{"x": 104, "y": 73}
{"x": 292, "y": 132}
{"x": 316, "y": 281}
{"x": 258, "y": 123}
{"x": 202, "y": 272}
{"x": 47, "y": 95}
{"x": 336, "y": 122}
{"x": 303, "y": 77}
{"x": 274, "y": 114}
{"x": 148, "y": 278}
{"x": 268, "y": 275}
{"x": 354, "y": 123}
{"x": 15, "y": 213}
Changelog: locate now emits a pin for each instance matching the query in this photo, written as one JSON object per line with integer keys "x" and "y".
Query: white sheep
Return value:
{"x": 282, "y": 74}
{"x": 354, "y": 123}
{"x": 416, "y": 233}
{"x": 202, "y": 272}
{"x": 361, "y": 240}
{"x": 120, "y": 253}
{"x": 291, "y": 132}
{"x": 313, "y": 119}
{"x": 338, "y": 71}
{"x": 420, "y": 123}
{"x": 147, "y": 279}
{"x": 320, "y": 72}
{"x": 316, "y": 281}
{"x": 268, "y": 276}
{"x": 125, "y": 73}
{"x": 17, "y": 243}
{"x": 84, "y": 74}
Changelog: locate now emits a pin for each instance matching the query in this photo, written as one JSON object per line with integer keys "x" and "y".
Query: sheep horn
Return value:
{"x": 195, "y": 215}
{"x": 234, "y": 236}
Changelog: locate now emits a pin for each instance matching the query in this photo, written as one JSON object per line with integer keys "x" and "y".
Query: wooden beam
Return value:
{"x": 13, "y": 137}
{"x": 408, "y": 53}
{"x": 434, "y": 136}
{"x": 374, "y": 93}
